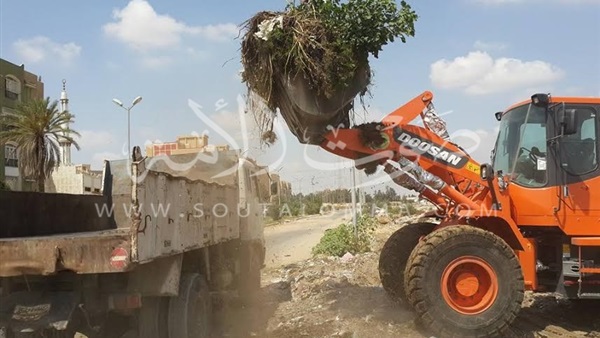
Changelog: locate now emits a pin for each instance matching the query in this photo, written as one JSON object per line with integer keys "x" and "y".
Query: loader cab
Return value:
{"x": 543, "y": 143}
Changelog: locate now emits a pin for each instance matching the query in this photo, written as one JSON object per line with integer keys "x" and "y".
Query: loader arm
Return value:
{"x": 453, "y": 178}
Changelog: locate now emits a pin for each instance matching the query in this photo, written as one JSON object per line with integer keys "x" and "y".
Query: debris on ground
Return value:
{"x": 328, "y": 296}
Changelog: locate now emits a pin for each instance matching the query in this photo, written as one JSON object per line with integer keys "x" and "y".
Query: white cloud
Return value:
{"x": 219, "y": 32}
{"x": 40, "y": 48}
{"x": 139, "y": 26}
{"x": 94, "y": 139}
{"x": 478, "y": 73}
{"x": 489, "y": 46}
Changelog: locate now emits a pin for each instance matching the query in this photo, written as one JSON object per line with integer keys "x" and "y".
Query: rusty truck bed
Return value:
{"x": 159, "y": 210}
{"x": 87, "y": 252}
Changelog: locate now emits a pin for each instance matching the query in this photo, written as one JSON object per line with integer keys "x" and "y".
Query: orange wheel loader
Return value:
{"x": 527, "y": 221}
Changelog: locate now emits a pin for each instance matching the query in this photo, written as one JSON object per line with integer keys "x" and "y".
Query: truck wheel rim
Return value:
{"x": 469, "y": 285}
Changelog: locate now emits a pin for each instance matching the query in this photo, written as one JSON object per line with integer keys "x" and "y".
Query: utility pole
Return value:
{"x": 120, "y": 104}
{"x": 354, "y": 223}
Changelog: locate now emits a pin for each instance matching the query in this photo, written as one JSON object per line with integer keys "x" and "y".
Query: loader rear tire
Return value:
{"x": 463, "y": 281}
{"x": 393, "y": 257}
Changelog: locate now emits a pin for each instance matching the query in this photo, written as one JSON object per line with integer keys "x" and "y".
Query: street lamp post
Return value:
{"x": 120, "y": 104}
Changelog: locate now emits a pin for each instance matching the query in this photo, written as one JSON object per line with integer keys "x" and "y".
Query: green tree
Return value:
{"x": 37, "y": 126}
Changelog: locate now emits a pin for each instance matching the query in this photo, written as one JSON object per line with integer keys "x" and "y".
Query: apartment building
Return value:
{"x": 16, "y": 85}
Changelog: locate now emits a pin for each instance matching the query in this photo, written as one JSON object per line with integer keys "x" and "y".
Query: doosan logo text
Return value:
{"x": 424, "y": 147}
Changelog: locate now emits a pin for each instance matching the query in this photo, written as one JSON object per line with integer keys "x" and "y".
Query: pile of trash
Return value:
{"x": 329, "y": 296}
{"x": 310, "y": 61}
{"x": 322, "y": 274}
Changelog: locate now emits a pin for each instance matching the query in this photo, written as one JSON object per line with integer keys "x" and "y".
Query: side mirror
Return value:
{"x": 567, "y": 120}
{"x": 498, "y": 116}
{"x": 486, "y": 171}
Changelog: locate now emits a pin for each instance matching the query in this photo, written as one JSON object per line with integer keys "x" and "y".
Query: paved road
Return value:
{"x": 292, "y": 242}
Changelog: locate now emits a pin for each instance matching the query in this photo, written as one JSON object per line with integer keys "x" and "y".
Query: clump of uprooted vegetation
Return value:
{"x": 347, "y": 238}
{"x": 326, "y": 42}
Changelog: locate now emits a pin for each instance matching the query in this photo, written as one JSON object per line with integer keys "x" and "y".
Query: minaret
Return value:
{"x": 65, "y": 145}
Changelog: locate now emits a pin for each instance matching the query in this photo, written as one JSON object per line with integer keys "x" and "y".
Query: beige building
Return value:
{"x": 75, "y": 179}
{"x": 187, "y": 144}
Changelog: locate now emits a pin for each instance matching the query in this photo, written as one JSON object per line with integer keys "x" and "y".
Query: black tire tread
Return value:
{"x": 178, "y": 305}
{"x": 420, "y": 257}
{"x": 394, "y": 255}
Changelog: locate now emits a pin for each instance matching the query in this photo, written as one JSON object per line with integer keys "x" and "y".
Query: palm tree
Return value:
{"x": 37, "y": 126}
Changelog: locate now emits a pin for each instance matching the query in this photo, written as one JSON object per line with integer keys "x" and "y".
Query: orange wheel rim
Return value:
{"x": 469, "y": 285}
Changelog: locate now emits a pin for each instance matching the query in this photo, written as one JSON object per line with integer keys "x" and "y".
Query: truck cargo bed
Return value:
{"x": 147, "y": 211}
{"x": 87, "y": 252}
{"x": 25, "y": 214}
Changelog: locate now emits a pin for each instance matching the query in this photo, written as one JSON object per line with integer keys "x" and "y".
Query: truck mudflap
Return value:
{"x": 31, "y": 311}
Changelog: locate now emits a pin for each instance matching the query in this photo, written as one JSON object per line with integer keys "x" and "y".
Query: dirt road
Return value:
{"x": 293, "y": 241}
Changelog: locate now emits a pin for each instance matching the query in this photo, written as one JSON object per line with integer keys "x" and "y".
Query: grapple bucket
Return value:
{"x": 310, "y": 116}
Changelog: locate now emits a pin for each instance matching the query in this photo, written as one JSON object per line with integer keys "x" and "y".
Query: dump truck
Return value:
{"x": 144, "y": 259}
{"x": 526, "y": 221}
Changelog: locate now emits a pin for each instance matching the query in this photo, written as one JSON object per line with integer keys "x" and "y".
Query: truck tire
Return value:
{"x": 152, "y": 318}
{"x": 395, "y": 253}
{"x": 190, "y": 313}
{"x": 463, "y": 281}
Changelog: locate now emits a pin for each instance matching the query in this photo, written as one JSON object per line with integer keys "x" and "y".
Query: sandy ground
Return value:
{"x": 333, "y": 297}
{"x": 292, "y": 242}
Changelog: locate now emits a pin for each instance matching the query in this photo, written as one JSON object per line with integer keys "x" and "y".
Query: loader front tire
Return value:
{"x": 395, "y": 253}
{"x": 463, "y": 281}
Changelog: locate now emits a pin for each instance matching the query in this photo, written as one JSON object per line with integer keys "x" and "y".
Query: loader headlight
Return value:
{"x": 540, "y": 100}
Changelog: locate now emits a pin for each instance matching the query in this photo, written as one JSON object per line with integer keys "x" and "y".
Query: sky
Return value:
{"x": 476, "y": 56}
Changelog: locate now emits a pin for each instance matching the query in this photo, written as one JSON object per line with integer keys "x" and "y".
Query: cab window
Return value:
{"x": 578, "y": 152}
